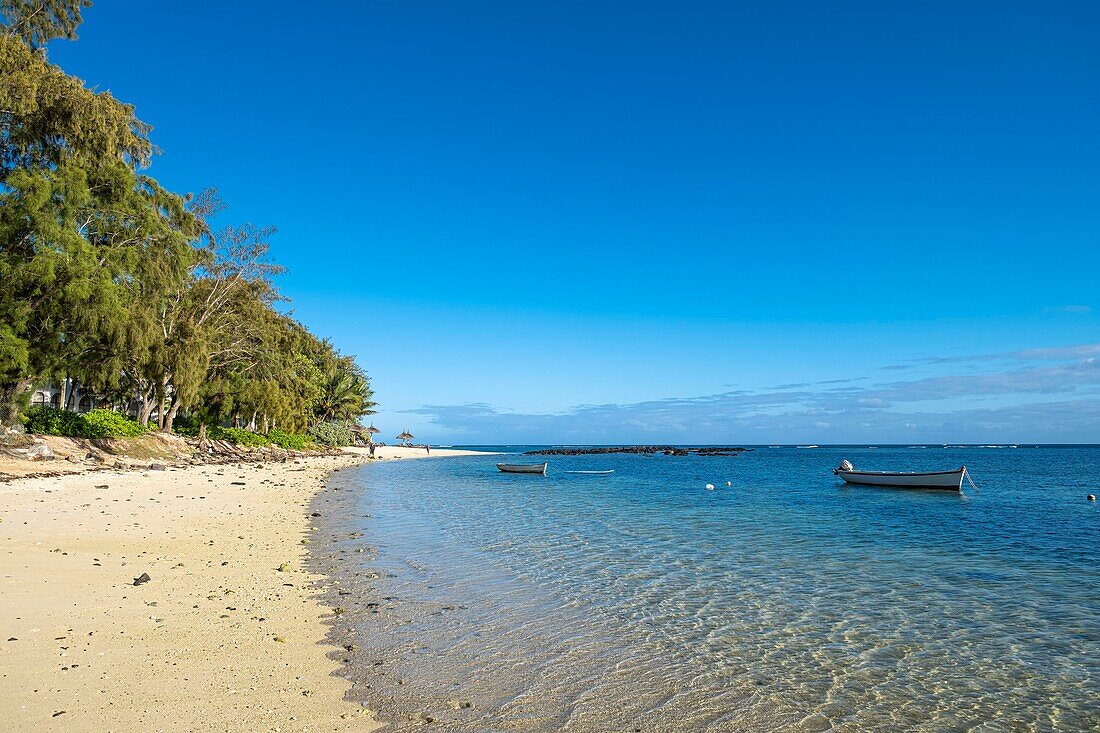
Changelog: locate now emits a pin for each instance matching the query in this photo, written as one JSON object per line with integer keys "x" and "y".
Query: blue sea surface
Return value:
{"x": 787, "y": 601}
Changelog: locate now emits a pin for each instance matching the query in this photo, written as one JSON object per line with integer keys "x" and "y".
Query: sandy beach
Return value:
{"x": 225, "y": 636}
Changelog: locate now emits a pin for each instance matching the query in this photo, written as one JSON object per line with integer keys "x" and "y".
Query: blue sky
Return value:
{"x": 617, "y": 222}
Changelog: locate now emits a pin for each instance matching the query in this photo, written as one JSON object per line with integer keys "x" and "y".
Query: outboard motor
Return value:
{"x": 845, "y": 465}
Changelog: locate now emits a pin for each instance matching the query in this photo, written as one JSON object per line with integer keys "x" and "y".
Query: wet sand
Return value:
{"x": 228, "y": 633}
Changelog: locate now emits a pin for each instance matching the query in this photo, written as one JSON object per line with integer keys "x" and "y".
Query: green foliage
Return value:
{"x": 85, "y": 239}
{"x": 126, "y": 287}
{"x": 345, "y": 392}
{"x": 287, "y": 441}
{"x": 187, "y": 425}
{"x": 52, "y": 116}
{"x": 334, "y": 434}
{"x": 53, "y": 421}
{"x": 38, "y": 21}
{"x": 111, "y": 424}
{"x": 94, "y": 424}
{"x": 239, "y": 436}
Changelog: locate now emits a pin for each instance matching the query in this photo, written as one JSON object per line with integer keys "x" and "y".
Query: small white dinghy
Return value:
{"x": 539, "y": 468}
{"x": 947, "y": 480}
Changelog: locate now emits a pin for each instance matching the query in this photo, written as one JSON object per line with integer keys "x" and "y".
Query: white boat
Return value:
{"x": 948, "y": 480}
{"x": 523, "y": 467}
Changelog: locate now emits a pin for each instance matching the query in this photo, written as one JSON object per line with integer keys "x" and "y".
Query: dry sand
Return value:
{"x": 220, "y": 639}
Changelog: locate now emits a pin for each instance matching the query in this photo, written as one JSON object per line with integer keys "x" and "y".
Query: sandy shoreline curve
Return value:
{"x": 228, "y": 633}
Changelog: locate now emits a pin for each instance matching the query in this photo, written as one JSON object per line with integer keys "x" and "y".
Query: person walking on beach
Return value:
{"x": 372, "y": 450}
{"x": 428, "y": 449}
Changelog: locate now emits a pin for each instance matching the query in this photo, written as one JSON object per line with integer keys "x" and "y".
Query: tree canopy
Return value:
{"x": 38, "y": 21}
{"x": 125, "y": 286}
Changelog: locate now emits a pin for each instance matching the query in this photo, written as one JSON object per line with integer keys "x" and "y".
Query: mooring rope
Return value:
{"x": 966, "y": 472}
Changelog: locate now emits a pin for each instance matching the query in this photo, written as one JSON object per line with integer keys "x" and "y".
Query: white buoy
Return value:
{"x": 710, "y": 487}
{"x": 1091, "y": 497}
{"x": 729, "y": 483}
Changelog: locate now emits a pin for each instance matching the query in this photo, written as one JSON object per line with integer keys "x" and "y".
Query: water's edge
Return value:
{"x": 342, "y": 554}
{"x": 645, "y": 602}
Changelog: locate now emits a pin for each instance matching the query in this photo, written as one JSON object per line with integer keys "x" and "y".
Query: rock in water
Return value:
{"x": 143, "y": 578}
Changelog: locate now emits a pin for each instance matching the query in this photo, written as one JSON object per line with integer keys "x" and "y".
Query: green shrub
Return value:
{"x": 111, "y": 424}
{"x": 94, "y": 424}
{"x": 187, "y": 425}
{"x": 239, "y": 436}
{"x": 287, "y": 441}
{"x": 335, "y": 434}
{"x": 54, "y": 421}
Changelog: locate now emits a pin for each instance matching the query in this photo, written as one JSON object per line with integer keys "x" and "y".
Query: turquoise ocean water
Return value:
{"x": 640, "y": 601}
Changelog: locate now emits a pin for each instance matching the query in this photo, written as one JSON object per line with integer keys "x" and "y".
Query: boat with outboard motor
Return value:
{"x": 947, "y": 480}
{"x": 539, "y": 468}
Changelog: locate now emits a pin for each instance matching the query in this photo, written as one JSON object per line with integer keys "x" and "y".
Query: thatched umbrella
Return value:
{"x": 362, "y": 434}
{"x": 406, "y": 436}
{"x": 372, "y": 431}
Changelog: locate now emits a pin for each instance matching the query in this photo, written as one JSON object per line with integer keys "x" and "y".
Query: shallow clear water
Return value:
{"x": 786, "y": 602}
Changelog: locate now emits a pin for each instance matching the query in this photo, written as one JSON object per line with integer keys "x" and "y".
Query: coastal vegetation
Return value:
{"x": 94, "y": 424}
{"x": 333, "y": 433}
{"x": 129, "y": 289}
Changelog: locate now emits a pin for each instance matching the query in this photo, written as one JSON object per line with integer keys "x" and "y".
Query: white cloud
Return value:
{"x": 882, "y": 412}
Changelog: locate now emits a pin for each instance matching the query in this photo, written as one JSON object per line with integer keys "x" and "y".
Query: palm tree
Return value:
{"x": 345, "y": 395}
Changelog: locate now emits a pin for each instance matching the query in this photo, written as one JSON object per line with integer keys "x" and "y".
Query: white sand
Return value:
{"x": 218, "y": 640}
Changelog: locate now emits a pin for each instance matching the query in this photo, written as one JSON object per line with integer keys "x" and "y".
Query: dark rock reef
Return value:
{"x": 648, "y": 450}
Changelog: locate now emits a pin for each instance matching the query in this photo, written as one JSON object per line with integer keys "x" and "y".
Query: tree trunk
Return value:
{"x": 11, "y": 401}
{"x": 162, "y": 411}
{"x": 67, "y": 394}
{"x": 264, "y": 423}
{"x": 146, "y": 409}
{"x": 171, "y": 416}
